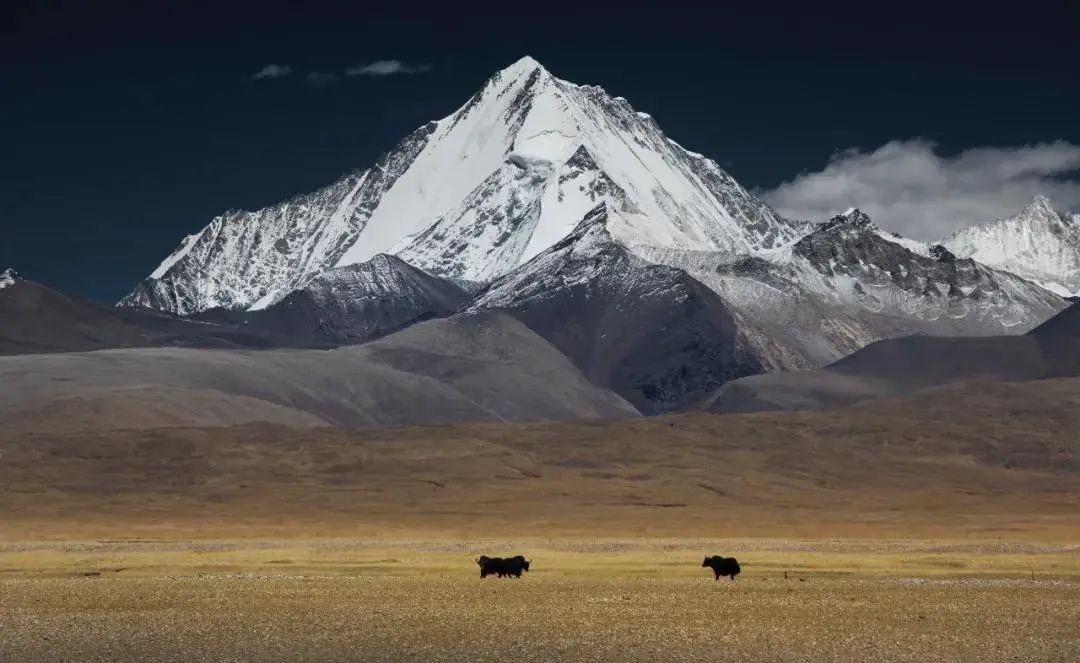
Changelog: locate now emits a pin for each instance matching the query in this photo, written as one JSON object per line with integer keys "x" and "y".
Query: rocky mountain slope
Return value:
{"x": 847, "y": 283}
{"x": 651, "y": 333}
{"x": 355, "y": 303}
{"x": 1040, "y": 244}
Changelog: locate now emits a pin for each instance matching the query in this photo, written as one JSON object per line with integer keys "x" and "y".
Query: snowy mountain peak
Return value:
{"x": 852, "y": 217}
{"x": 8, "y": 277}
{"x": 521, "y": 68}
{"x": 512, "y": 171}
{"x": 1039, "y": 244}
{"x": 1040, "y": 204}
{"x": 473, "y": 196}
{"x": 385, "y": 261}
{"x": 1040, "y": 212}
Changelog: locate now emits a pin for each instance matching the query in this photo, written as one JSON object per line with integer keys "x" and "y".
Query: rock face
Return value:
{"x": 651, "y": 333}
{"x": 474, "y": 196}
{"x": 1039, "y": 244}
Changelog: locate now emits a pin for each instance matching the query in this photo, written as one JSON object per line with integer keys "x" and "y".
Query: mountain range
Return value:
{"x": 658, "y": 276}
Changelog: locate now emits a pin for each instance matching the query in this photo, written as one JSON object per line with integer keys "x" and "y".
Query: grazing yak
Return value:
{"x": 722, "y": 566}
{"x": 497, "y": 566}
{"x": 513, "y": 566}
{"x": 490, "y": 565}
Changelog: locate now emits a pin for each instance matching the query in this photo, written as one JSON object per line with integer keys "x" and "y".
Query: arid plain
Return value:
{"x": 943, "y": 526}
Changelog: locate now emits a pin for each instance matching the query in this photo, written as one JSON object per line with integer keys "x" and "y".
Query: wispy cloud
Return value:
{"x": 906, "y": 187}
{"x": 272, "y": 71}
{"x": 319, "y": 78}
{"x": 386, "y": 68}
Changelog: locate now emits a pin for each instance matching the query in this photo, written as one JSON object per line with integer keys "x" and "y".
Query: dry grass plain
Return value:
{"x": 598, "y": 600}
{"x": 941, "y": 527}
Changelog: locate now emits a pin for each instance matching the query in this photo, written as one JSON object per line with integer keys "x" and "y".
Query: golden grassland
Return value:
{"x": 607, "y": 557}
{"x": 597, "y": 599}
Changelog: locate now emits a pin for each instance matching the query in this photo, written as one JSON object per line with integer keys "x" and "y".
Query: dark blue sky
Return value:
{"x": 126, "y": 126}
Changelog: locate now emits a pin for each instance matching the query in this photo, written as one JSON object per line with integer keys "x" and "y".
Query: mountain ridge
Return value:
{"x": 847, "y": 283}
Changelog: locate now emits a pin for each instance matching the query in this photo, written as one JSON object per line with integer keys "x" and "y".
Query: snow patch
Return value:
{"x": 8, "y": 277}
{"x": 185, "y": 248}
{"x": 544, "y": 146}
{"x": 910, "y": 244}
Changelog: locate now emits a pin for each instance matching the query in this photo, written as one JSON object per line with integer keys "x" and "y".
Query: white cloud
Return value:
{"x": 906, "y": 187}
{"x": 386, "y": 68}
{"x": 272, "y": 71}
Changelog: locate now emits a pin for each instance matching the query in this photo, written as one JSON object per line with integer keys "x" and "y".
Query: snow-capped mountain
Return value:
{"x": 355, "y": 303}
{"x": 651, "y": 333}
{"x": 848, "y": 283}
{"x": 647, "y": 264}
{"x": 1040, "y": 244}
{"x": 473, "y": 196}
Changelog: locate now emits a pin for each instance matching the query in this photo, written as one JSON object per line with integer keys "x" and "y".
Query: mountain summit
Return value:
{"x": 1040, "y": 244}
{"x": 473, "y": 196}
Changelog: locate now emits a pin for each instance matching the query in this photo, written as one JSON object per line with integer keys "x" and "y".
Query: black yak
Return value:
{"x": 491, "y": 566}
{"x": 513, "y": 566}
{"x": 722, "y": 566}
{"x": 497, "y": 566}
